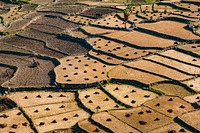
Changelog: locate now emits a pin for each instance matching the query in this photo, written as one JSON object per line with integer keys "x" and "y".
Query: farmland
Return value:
{"x": 109, "y": 66}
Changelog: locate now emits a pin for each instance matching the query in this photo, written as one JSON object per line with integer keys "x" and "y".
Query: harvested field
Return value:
{"x": 191, "y": 14}
{"x": 79, "y": 19}
{"x": 14, "y": 121}
{"x": 122, "y": 72}
{"x": 31, "y": 99}
{"x": 181, "y": 57}
{"x": 105, "y": 58}
{"x": 56, "y": 21}
{"x": 174, "y": 64}
{"x": 133, "y": 18}
{"x": 118, "y": 49}
{"x": 155, "y": 68}
{"x": 172, "y": 89}
{"x": 33, "y": 45}
{"x": 170, "y": 128}
{"x": 141, "y": 118}
{"x": 169, "y": 105}
{"x": 27, "y": 71}
{"x": 146, "y": 8}
{"x": 193, "y": 48}
{"x": 98, "y": 12}
{"x": 54, "y": 42}
{"x": 129, "y": 95}
{"x": 161, "y": 8}
{"x": 191, "y": 119}
{"x": 80, "y": 70}
{"x": 6, "y": 74}
{"x": 137, "y": 38}
{"x": 63, "y": 10}
{"x": 96, "y": 100}
{"x": 194, "y": 84}
{"x": 39, "y": 111}
{"x": 87, "y": 126}
{"x": 171, "y": 28}
{"x": 187, "y": 6}
{"x": 60, "y": 121}
{"x": 112, "y": 123}
{"x": 194, "y": 99}
{"x": 111, "y": 21}
{"x": 154, "y": 16}
{"x": 45, "y": 28}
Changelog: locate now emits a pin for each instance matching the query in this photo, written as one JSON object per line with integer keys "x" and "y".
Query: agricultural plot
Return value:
{"x": 181, "y": 57}
{"x": 98, "y": 12}
{"x": 191, "y": 48}
{"x": 157, "y": 69}
{"x": 125, "y": 73}
{"x": 27, "y": 70}
{"x": 118, "y": 49}
{"x": 35, "y": 46}
{"x": 137, "y": 38}
{"x": 191, "y": 14}
{"x": 45, "y": 28}
{"x": 187, "y": 6}
{"x": 87, "y": 126}
{"x": 32, "y": 99}
{"x": 161, "y": 8}
{"x": 56, "y": 43}
{"x": 194, "y": 99}
{"x": 192, "y": 119}
{"x": 60, "y": 121}
{"x": 172, "y": 28}
{"x": 129, "y": 95}
{"x": 146, "y": 8}
{"x": 194, "y": 84}
{"x": 14, "y": 121}
{"x": 111, "y": 21}
{"x": 141, "y": 118}
{"x": 41, "y": 2}
{"x": 105, "y": 58}
{"x": 96, "y": 100}
{"x": 186, "y": 68}
{"x": 79, "y": 19}
{"x": 154, "y": 16}
{"x": 56, "y": 21}
{"x": 112, "y": 123}
{"x": 172, "y": 89}
{"x": 170, "y": 128}
{"x": 132, "y": 18}
{"x": 170, "y": 105}
{"x": 62, "y": 10}
{"x": 17, "y": 25}
{"x": 80, "y": 70}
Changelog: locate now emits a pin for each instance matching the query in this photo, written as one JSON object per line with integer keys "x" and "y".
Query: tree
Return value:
{"x": 127, "y": 13}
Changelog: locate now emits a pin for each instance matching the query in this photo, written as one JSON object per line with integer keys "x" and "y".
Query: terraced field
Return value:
{"x": 99, "y": 66}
